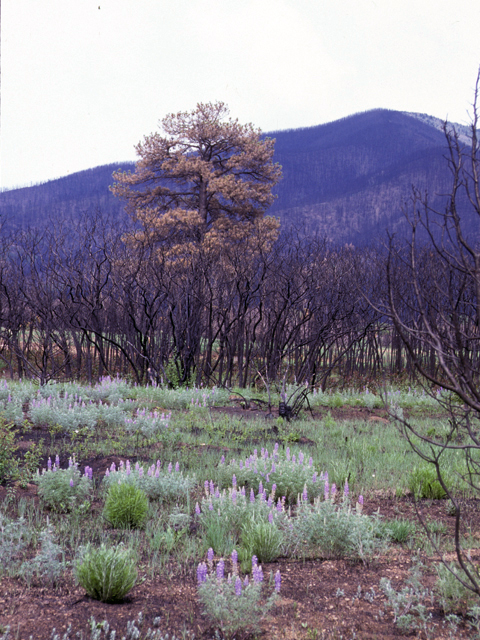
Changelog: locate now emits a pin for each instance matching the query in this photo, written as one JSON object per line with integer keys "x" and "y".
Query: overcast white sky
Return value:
{"x": 84, "y": 80}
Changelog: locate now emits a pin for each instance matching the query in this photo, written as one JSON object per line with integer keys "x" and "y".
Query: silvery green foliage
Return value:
{"x": 410, "y": 605}
{"x": 111, "y": 389}
{"x": 13, "y": 543}
{"x": 290, "y": 473}
{"x": 224, "y": 515}
{"x": 232, "y": 604}
{"x": 184, "y": 398}
{"x": 453, "y": 596}
{"x": 106, "y": 573}
{"x": 327, "y": 529}
{"x": 65, "y": 489}
{"x": 102, "y": 631}
{"x": 47, "y": 565}
{"x": 11, "y": 410}
{"x": 159, "y": 483}
{"x": 147, "y": 423}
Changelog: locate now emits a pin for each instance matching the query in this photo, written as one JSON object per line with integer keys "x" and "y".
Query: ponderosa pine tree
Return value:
{"x": 205, "y": 180}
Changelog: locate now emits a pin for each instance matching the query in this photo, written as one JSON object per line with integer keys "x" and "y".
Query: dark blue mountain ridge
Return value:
{"x": 349, "y": 180}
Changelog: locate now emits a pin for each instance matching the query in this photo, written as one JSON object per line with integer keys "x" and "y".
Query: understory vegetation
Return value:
{"x": 219, "y": 495}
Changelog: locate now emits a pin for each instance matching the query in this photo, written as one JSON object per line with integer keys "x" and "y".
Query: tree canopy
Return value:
{"x": 205, "y": 176}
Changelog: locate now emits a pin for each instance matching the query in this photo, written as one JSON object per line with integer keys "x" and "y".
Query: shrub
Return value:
{"x": 106, "y": 574}
{"x": 46, "y": 564}
{"x": 126, "y": 506}
{"x": 326, "y": 529}
{"x": 289, "y": 473}
{"x": 13, "y": 543}
{"x": 398, "y": 530}
{"x": 232, "y": 604}
{"x": 166, "y": 485}
{"x": 65, "y": 490}
{"x": 223, "y": 514}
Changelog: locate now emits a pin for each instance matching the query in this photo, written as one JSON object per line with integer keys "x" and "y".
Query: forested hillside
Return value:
{"x": 349, "y": 179}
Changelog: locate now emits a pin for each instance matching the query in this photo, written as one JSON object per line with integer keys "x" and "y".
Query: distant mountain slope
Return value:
{"x": 348, "y": 179}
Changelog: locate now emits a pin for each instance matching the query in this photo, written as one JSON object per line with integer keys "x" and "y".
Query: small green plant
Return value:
{"x": 64, "y": 490}
{"x": 410, "y": 612}
{"x": 46, "y": 565}
{"x": 126, "y": 506}
{"x": 8, "y": 448}
{"x": 423, "y": 483}
{"x": 13, "y": 543}
{"x": 453, "y": 596}
{"x": 398, "y": 530}
{"x": 232, "y": 604}
{"x": 106, "y": 573}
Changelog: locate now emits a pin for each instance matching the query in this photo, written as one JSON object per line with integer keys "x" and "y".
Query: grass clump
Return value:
{"x": 423, "y": 483}
{"x": 126, "y": 506}
{"x": 106, "y": 574}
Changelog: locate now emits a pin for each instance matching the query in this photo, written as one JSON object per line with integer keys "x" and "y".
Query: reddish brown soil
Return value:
{"x": 310, "y": 606}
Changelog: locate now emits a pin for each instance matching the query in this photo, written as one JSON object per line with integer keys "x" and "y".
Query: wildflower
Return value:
{"x": 360, "y": 500}
{"x": 107, "y": 473}
{"x": 327, "y": 489}
{"x": 220, "y": 569}
{"x": 346, "y": 489}
{"x": 238, "y": 587}
{"x": 206, "y": 487}
{"x": 197, "y": 509}
{"x": 305, "y": 494}
{"x": 210, "y": 506}
{"x": 177, "y": 467}
{"x": 234, "y": 480}
{"x": 71, "y": 482}
{"x": 210, "y": 556}
{"x": 157, "y": 473}
{"x": 49, "y": 464}
{"x": 140, "y": 472}
{"x": 57, "y": 460}
{"x": 333, "y": 490}
{"x": 245, "y": 582}
{"x": 252, "y": 496}
{"x": 257, "y": 573}
{"x": 260, "y": 487}
{"x": 314, "y": 477}
{"x": 310, "y": 461}
{"x": 201, "y": 573}
{"x": 234, "y": 561}
{"x": 270, "y": 517}
{"x": 212, "y": 487}
{"x": 279, "y": 506}
{"x": 278, "y": 581}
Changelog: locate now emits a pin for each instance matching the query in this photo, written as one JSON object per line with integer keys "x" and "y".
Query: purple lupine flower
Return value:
{"x": 140, "y": 472}
{"x": 310, "y": 461}
{"x": 288, "y": 453}
{"x": 137, "y": 466}
{"x": 107, "y": 473}
{"x": 294, "y": 459}
{"x": 197, "y": 509}
{"x": 260, "y": 487}
{"x": 314, "y": 477}
{"x": 278, "y": 581}
{"x": 245, "y": 582}
{"x": 274, "y": 488}
{"x": 327, "y": 489}
{"x": 234, "y": 496}
{"x": 157, "y": 473}
{"x": 170, "y": 468}
{"x": 149, "y": 472}
{"x": 235, "y": 561}
{"x": 257, "y": 573}
{"x": 220, "y": 569}
{"x": 49, "y": 464}
{"x": 212, "y": 487}
{"x": 234, "y": 480}
{"x": 71, "y": 482}
{"x": 238, "y": 587}
{"x": 346, "y": 489}
{"x": 305, "y": 493}
{"x": 270, "y": 517}
{"x": 158, "y": 464}
{"x": 252, "y": 496}
{"x": 240, "y": 464}
{"x": 254, "y": 560}
{"x": 242, "y": 491}
{"x": 201, "y": 573}
{"x": 255, "y": 454}
{"x": 274, "y": 468}
{"x": 217, "y": 493}
{"x": 222, "y": 461}
{"x": 210, "y": 555}
{"x": 279, "y": 506}
{"x": 70, "y": 462}
{"x": 57, "y": 460}
{"x": 121, "y": 464}
{"x": 270, "y": 501}
{"x": 210, "y": 506}
{"x": 333, "y": 491}
{"x": 300, "y": 458}
{"x": 177, "y": 467}
{"x": 206, "y": 487}
{"x": 360, "y": 500}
